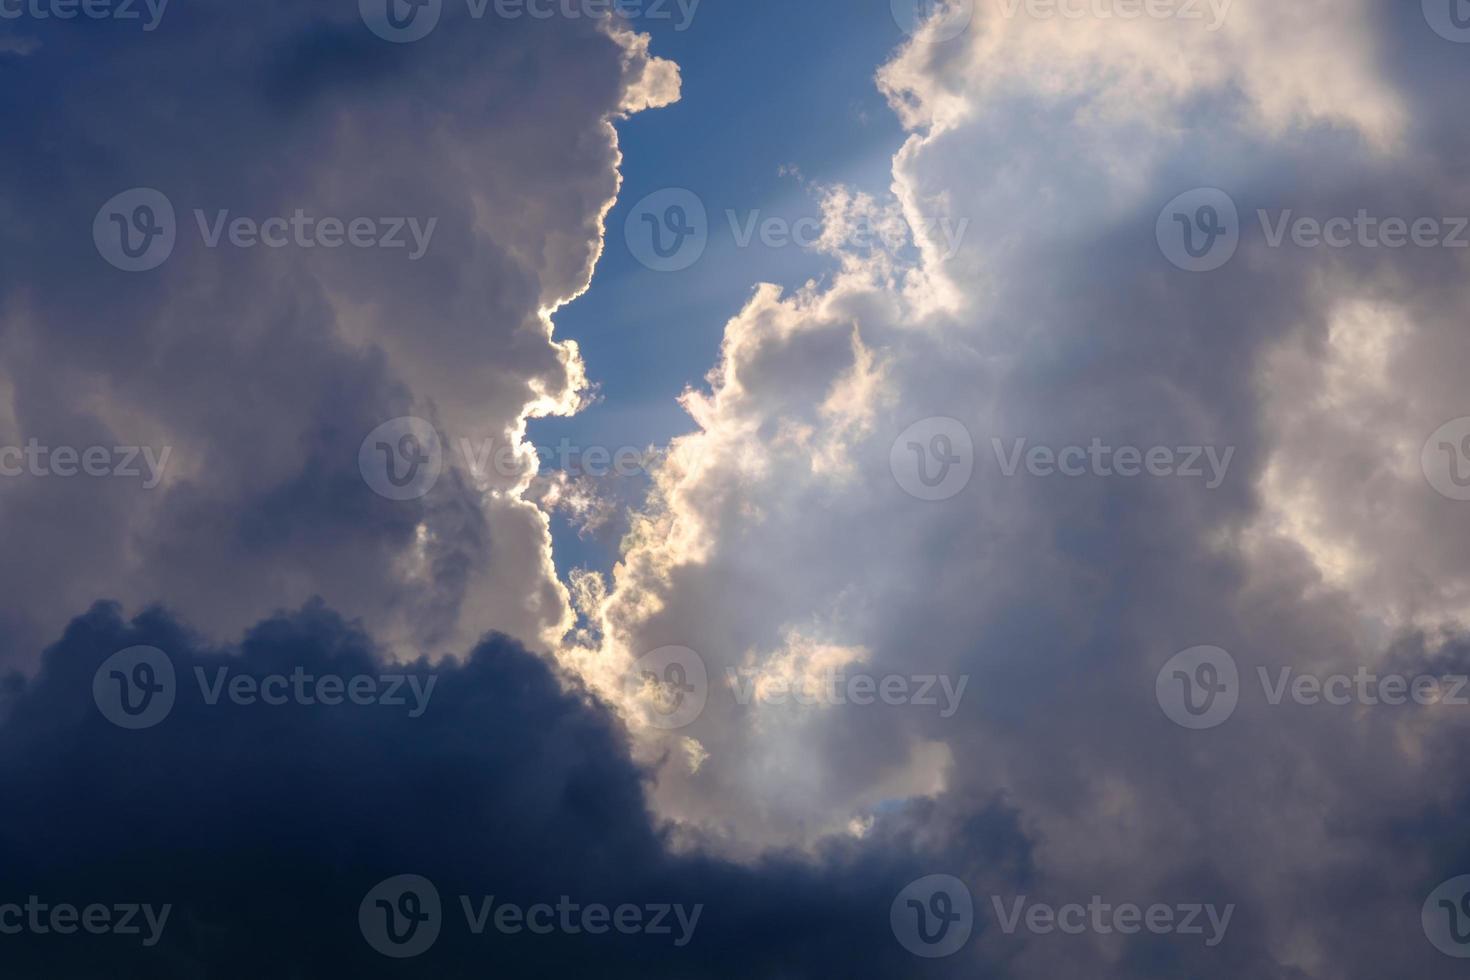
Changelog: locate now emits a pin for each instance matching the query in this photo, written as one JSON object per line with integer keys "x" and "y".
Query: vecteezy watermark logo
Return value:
{"x": 574, "y": 918}
{"x": 401, "y": 917}
{"x": 948, "y": 19}
{"x": 1120, "y": 10}
{"x": 668, "y": 230}
{"x": 90, "y": 9}
{"x": 933, "y": 459}
{"x": 402, "y": 459}
{"x": 1446, "y": 459}
{"x": 123, "y": 919}
{"x": 863, "y": 233}
{"x": 1199, "y": 688}
{"x": 1363, "y": 230}
{"x": 1103, "y": 460}
{"x": 485, "y": 459}
{"x": 331, "y": 690}
{"x": 672, "y": 685}
{"x": 64, "y": 462}
{"x": 135, "y": 688}
{"x": 933, "y": 917}
{"x": 302, "y": 230}
{"x": 1446, "y": 917}
{"x": 1363, "y": 687}
{"x": 835, "y": 688}
{"x": 1449, "y": 18}
{"x": 1104, "y": 918}
{"x": 136, "y": 230}
{"x": 1199, "y": 230}
{"x": 401, "y": 21}
{"x": 405, "y": 21}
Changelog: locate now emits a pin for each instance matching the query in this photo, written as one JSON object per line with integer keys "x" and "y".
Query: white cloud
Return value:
{"x": 264, "y": 369}
{"x": 1058, "y": 320}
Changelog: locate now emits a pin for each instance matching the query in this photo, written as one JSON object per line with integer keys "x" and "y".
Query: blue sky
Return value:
{"x": 755, "y": 100}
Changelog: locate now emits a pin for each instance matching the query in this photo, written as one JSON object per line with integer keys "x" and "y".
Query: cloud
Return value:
{"x": 263, "y": 369}
{"x": 1031, "y": 302}
{"x": 1060, "y": 320}
{"x": 263, "y": 827}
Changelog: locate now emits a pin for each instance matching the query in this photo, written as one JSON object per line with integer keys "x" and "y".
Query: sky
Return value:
{"x": 450, "y": 526}
{"x": 740, "y": 141}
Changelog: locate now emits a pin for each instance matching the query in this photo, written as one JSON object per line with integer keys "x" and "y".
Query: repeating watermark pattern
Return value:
{"x": 835, "y": 688}
{"x": 137, "y": 230}
{"x": 1362, "y": 230}
{"x": 131, "y": 919}
{"x": 674, "y": 921}
{"x": 486, "y": 457}
{"x": 933, "y": 916}
{"x": 410, "y": 691}
{"x": 406, "y": 21}
{"x": 1211, "y": 13}
{"x": 403, "y": 917}
{"x": 933, "y": 459}
{"x": 1449, "y": 18}
{"x": 945, "y": 19}
{"x": 1208, "y": 463}
{"x": 1445, "y": 459}
{"x": 148, "y": 13}
{"x": 777, "y": 231}
{"x": 1446, "y": 917}
{"x": 673, "y": 684}
{"x": 1103, "y": 918}
{"x": 1201, "y": 688}
{"x": 302, "y": 230}
{"x": 137, "y": 688}
{"x": 1364, "y": 687}
{"x": 1200, "y": 230}
{"x": 670, "y": 230}
{"x": 402, "y": 459}
{"x": 64, "y": 462}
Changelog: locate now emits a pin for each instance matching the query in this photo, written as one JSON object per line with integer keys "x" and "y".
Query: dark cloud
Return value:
{"x": 265, "y": 827}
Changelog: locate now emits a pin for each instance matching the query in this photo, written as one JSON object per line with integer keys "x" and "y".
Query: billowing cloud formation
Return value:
{"x": 1107, "y": 260}
{"x": 263, "y": 827}
{"x": 270, "y": 343}
{"x": 1301, "y": 381}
